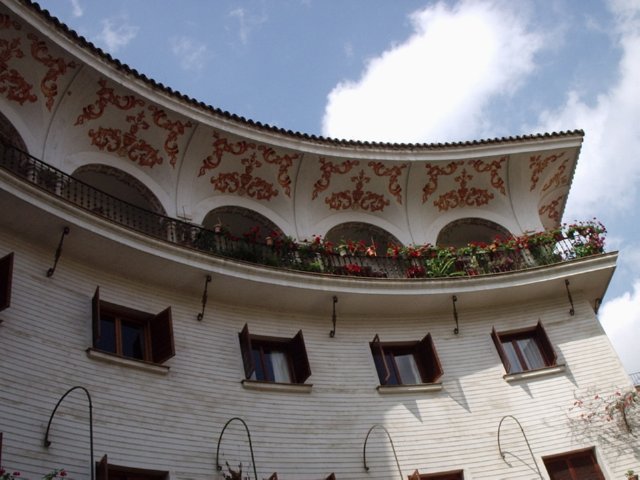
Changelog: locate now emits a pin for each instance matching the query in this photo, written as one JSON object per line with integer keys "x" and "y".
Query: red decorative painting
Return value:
{"x": 538, "y": 165}
{"x": 174, "y": 128}
{"x": 245, "y": 183}
{"x": 107, "y": 96}
{"x": 559, "y": 178}
{"x": 12, "y": 84}
{"x": 551, "y": 210}
{"x": 464, "y": 196}
{"x": 434, "y": 172}
{"x": 328, "y": 168}
{"x": 284, "y": 163}
{"x": 393, "y": 173}
{"x": 494, "y": 168}
{"x": 357, "y": 198}
{"x": 221, "y": 145}
{"x": 56, "y": 67}
{"x": 127, "y": 144}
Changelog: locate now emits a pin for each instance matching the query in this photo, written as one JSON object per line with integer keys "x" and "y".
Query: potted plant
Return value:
{"x": 630, "y": 475}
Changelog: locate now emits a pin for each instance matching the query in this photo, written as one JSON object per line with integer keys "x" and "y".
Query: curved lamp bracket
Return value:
{"x": 503, "y": 454}
{"x": 47, "y": 442}
{"x": 364, "y": 449}
{"x": 218, "y": 466}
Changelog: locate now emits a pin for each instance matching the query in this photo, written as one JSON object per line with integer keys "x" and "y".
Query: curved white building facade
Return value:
{"x": 200, "y": 348}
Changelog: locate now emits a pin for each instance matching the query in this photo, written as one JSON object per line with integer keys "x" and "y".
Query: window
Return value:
{"x": 524, "y": 350}
{"x": 6, "y": 273}
{"x": 274, "y": 359}
{"x": 455, "y": 475}
{"x": 130, "y": 333}
{"x": 406, "y": 363}
{"x": 578, "y": 465}
{"x": 104, "y": 471}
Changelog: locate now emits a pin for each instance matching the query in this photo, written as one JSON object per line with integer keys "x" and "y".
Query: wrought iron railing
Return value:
{"x": 288, "y": 254}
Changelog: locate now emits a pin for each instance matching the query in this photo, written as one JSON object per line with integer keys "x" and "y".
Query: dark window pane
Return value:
{"x": 408, "y": 369}
{"x": 393, "y": 377}
{"x": 107, "y": 340}
{"x": 531, "y": 352}
{"x": 258, "y": 373}
{"x": 132, "y": 340}
{"x": 512, "y": 357}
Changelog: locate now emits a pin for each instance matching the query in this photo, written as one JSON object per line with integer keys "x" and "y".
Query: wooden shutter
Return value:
{"x": 501, "y": 352}
{"x": 426, "y": 354}
{"x": 245, "y": 349}
{"x": 102, "y": 469}
{"x": 162, "y": 346}
{"x": 331, "y": 477}
{"x": 301, "y": 367}
{"x": 6, "y": 274}
{"x": 415, "y": 475}
{"x": 274, "y": 476}
{"x": 546, "y": 347}
{"x": 378, "y": 352}
{"x": 95, "y": 309}
{"x": 0, "y": 448}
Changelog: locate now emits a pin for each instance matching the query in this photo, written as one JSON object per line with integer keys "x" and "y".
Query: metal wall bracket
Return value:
{"x": 454, "y": 299}
{"x": 572, "y": 310}
{"x": 332, "y": 333}
{"x": 51, "y": 271}
{"x": 204, "y": 297}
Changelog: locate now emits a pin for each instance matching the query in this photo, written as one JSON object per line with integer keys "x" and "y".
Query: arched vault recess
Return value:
{"x": 463, "y": 231}
{"x": 119, "y": 184}
{"x": 239, "y": 221}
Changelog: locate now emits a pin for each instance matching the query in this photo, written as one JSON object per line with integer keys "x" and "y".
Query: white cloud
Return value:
{"x": 608, "y": 171}
{"x": 246, "y": 22}
{"x": 76, "y": 8}
{"x": 116, "y": 33}
{"x": 620, "y": 319}
{"x": 190, "y": 53}
{"x": 435, "y": 85}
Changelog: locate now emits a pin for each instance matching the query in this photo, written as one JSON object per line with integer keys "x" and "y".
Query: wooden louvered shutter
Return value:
{"x": 95, "y": 311}
{"x": 102, "y": 469}
{"x": 501, "y": 352}
{"x": 428, "y": 357}
{"x": 378, "y": 354}
{"x": 545, "y": 345}
{"x": 6, "y": 274}
{"x": 246, "y": 350}
{"x": 301, "y": 367}
{"x": 415, "y": 475}
{"x": 162, "y": 346}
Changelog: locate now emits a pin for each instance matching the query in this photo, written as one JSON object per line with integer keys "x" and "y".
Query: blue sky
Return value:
{"x": 415, "y": 71}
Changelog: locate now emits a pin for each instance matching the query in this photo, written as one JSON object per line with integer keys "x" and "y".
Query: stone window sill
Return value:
{"x": 127, "y": 362}
{"x": 540, "y": 372}
{"x": 418, "y": 388}
{"x": 277, "y": 387}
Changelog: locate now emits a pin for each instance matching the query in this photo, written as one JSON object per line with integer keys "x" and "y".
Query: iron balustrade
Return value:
{"x": 287, "y": 255}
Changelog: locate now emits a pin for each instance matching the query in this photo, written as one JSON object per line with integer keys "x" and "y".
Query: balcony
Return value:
{"x": 347, "y": 259}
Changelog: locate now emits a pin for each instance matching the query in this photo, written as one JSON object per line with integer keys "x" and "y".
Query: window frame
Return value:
{"x": 294, "y": 348}
{"x": 541, "y": 339}
{"x": 157, "y": 330}
{"x": 424, "y": 353}
{"x": 450, "y": 475}
{"x": 6, "y": 277}
{"x": 103, "y": 468}
{"x": 568, "y": 456}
